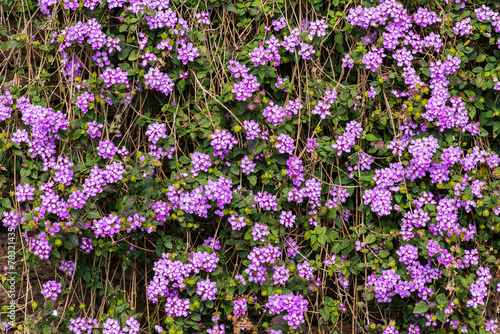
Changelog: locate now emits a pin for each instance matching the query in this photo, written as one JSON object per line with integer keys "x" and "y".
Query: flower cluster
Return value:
{"x": 344, "y": 142}
{"x": 294, "y": 305}
{"x": 222, "y": 142}
{"x": 51, "y": 290}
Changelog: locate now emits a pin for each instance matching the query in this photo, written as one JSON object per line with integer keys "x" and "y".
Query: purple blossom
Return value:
{"x": 51, "y": 290}
{"x": 206, "y": 289}
{"x": 373, "y": 58}
{"x": 259, "y": 232}
{"x": 94, "y": 129}
{"x": 222, "y": 142}
{"x": 156, "y": 131}
{"x": 203, "y": 18}
{"x": 246, "y": 87}
{"x": 67, "y": 267}
{"x": 24, "y": 193}
{"x": 463, "y": 27}
{"x": 82, "y": 325}
{"x": 295, "y": 306}
{"x": 115, "y": 76}
{"x": 247, "y": 165}
{"x": 187, "y": 52}
{"x": 159, "y": 81}
{"x": 237, "y": 222}
{"x": 12, "y": 219}
{"x": 252, "y": 129}
{"x": 201, "y": 162}
{"x": 287, "y": 218}
{"x": 285, "y": 144}
{"x": 280, "y": 275}
{"x": 240, "y": 307}
{"x": 348, "y": 139}
{"x": 274, "y": 113}
{"x": 266, "y": 201}
{"x": 109, "y": 225}
{"x": 305, "y": 271}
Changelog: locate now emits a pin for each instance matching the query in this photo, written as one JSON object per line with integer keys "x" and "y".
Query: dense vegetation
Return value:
{"x": 258, "y": 166}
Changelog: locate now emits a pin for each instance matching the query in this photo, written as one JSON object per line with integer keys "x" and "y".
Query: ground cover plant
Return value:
{"x": 265, "y": 166}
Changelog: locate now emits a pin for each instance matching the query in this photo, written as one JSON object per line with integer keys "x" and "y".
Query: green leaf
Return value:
{"x": 134, "y": 54}
{"x": 371, "y": 238}
{"x": 120, "y": 201}
{"x": 25, "y": 172}
{"x": 195, "y": 317}
{"x": 345, "y": 244}
{"x": 123, "y": 54}
{"x": 235, "y": 169}
{"x": 441, "y": 299}
{"x": 383, "y": 253}
{"x": 73, "y": 238}
{"x": 421, "y": 307}
{"x": 478, "y": 69}
{"x": 481, "y": 58}
{"x": 371, "y": 137}
{"x": 180, "y": 85}
{"x": 129, "y": 203}
{"x": 93, "y": 215}
{"x": 441, "y": 316}
{"x": 184, "y": 160}
{"x": 6, "y": 203}
{"x": 252, "y": 179}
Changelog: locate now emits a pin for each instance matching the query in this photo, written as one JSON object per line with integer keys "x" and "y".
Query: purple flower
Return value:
{"x": 306, "y": 50}
{"x": 240, "y": 307}
{"x": 246, "y": 87}
{"x": 94, "y": 129}
{"x": 115, "y": 76}
{"x": 259, "y": 232}
{"x": 159, "y": 81}
{"x": 222, "y": 142}
{"x": 295, "y": 306}
{"x": 156, "y": 131}
{"x": 407, "y": 254}
{"x": 463, "y": 27}
{"x": 107, "y": 149}
{"x": 206, "y": 289}
{"x": 373, "y": 58}
{"x": 51, "y": 290}
{"x": 237, "y": 69}
{"x": 247, "y": 165}
{"x": 491, "y": 326}
{"x": 24, "y": 192}
{"x": 252, "y": 129}
{"x": 266, "y": 201}
{"x": 305, "y": 271}
{"x": 279, "y": 23}
{"x": 274, "y": 113}
{"x": 285, "y": 144}
{"x": 237, "y": 222}
{"x": 187, "y": 52}
{"x": 83, "y": 101}
{"x": 311, "y": 145}
{"x": 287, "y": 218}
{"x": 67, "y": 267}
{"x": 203, "y": 18}
{"x": 348, "y": 139}
{"x": 212, "y": 243}
{"x": 109, "y": 225}
{"x": 201, "y": 162}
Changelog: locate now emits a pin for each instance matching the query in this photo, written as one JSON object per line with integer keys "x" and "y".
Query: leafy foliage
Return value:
{"x": 227, "y": 166}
